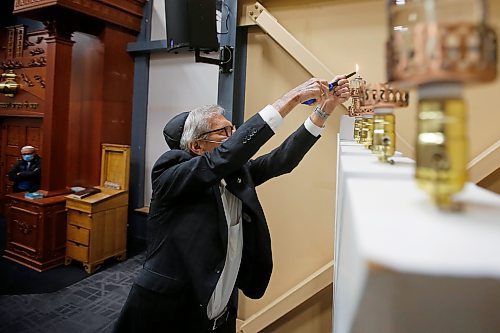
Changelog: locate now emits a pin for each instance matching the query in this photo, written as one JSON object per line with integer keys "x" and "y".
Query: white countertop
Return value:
{"x": 400, "y": 228}
{"x": 401, "y": 264}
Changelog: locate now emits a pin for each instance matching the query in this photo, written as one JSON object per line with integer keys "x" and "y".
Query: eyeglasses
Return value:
{"x": 228, "y": 131}
{"x": 215, "y": 141}
{"x": 27, "y": 153}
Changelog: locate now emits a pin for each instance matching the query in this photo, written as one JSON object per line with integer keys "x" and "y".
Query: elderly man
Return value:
{"x": 207, "y": 233}
{"x": 26, "y": 172}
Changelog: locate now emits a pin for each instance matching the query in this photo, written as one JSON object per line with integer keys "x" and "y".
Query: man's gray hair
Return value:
{"x": 197, "y": 123}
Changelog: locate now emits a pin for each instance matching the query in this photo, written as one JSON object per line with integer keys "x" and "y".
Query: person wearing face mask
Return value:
{"x": 207, "y": 233}
{"x": 26, "y": 172}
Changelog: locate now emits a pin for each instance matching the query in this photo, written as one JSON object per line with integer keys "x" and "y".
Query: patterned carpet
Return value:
{"x": 91, "y": 305}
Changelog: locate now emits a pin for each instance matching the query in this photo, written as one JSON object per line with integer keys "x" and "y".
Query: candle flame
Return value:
{"x": 357, "y": 69}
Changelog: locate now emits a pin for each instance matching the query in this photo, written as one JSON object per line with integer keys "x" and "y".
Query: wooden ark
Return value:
{"x": 97, "y": 225}
{"x": 74, "y": 92}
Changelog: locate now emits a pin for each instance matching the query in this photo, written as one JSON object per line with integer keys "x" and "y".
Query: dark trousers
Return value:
{"x": 148, "y": 311}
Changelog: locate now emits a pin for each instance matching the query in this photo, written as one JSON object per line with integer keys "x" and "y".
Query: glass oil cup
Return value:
{"x": 384, "y": 136}
{"x": 441, "y": 151}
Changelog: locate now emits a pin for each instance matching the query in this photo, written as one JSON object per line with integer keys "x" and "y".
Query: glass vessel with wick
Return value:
{"x": 357, "y": 108}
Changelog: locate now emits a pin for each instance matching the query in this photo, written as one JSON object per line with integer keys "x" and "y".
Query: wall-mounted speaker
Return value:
{"x": 191, "y": 24}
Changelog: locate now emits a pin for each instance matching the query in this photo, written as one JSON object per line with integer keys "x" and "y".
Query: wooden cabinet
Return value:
{"x": 97, "y": 228}
{"x": 97, "y": 225}
{"x": 36, "y": 231}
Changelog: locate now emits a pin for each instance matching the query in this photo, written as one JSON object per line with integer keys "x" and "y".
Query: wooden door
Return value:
{"x": 16, "y": 132}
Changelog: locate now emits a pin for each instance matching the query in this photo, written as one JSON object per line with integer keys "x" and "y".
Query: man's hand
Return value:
{"x": 337, "y": 96}
{"x": 340, "y": 94}
{"x": 311, "y": 89}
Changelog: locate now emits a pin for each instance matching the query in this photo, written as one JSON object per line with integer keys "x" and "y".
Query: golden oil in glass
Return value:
{"x": 357, "y": 129}
{"x": 441, "y": 149}
{"x": 384, "y": 137}
{"x": 367, "y": 131}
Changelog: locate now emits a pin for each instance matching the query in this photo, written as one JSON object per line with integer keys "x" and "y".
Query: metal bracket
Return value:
{"x": 261, "y": 16}
{"x": 225, "y": 61}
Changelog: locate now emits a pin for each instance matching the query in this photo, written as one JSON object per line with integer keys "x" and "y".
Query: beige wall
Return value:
{"x": 300, "y": 206}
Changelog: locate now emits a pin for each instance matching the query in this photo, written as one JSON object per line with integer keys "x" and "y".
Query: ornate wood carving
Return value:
{"x": 25, "y": 56}
{"x": 25, "y": 228}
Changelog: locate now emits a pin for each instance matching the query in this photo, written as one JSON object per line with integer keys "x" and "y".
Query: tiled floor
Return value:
{"x": 91, "y": 305}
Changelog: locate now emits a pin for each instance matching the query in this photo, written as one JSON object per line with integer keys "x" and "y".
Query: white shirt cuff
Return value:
{"x": 312, "y": 128}
{"x": 272, "y": 117}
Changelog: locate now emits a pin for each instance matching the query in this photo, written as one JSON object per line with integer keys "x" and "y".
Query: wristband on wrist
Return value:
{"x": 320, "y": 113}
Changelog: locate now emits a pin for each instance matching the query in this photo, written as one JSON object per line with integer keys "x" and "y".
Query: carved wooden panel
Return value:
{"x": 23, "y": 225}
{"x": 23, "y": 54}
{"x": 36, "y": 231}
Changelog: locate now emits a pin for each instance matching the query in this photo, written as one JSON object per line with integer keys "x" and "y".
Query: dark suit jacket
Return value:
{"x": 187, "y": 229}
{"x": 20, "y": 172}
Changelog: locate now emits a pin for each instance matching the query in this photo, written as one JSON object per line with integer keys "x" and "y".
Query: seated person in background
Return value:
{"x": 26, "y": 172}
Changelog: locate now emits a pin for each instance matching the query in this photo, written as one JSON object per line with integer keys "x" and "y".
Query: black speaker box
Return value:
{"x": 191, "y": 24}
